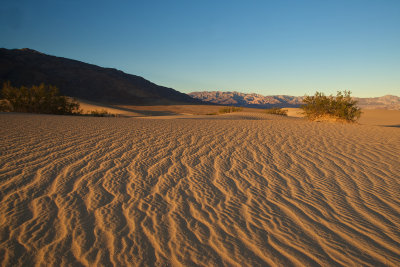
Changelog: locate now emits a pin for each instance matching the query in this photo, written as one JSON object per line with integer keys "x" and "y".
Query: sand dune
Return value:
{"x": 377, "y": 117}
{"x": 380, "y": 117}
{"x": 87, "y": 107}
{"x": 154, "y": 110}
{"x": 241, "y": 189}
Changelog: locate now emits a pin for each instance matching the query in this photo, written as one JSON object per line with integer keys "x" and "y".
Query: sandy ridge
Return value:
{"x": 239, "y": 189}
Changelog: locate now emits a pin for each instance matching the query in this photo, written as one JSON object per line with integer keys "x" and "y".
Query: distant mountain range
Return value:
{"x": 247, "y": 100}
{"x": 111, "y": 86}
{"x": 384, "y": 102}
{"x": 260, "y": 101}
{"x": 81, "y": 80}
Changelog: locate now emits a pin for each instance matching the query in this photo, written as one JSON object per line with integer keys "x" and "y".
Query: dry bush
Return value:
{"x": 5, "y": 105}
{"x": 277, "y": 111}
{"x": 44, "y": 99}
{"x": 229, "y": 110}
{"x": 339, "y": 108}
{"x": 101, "y": 113}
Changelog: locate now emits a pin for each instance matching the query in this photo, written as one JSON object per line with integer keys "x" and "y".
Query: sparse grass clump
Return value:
{"x": 277, "y": 111}
{"x": 339, "y": 108}
{"x": 229, "y": 110}
{"x": 100, "y": 113}
{"x": 44, "y": 99}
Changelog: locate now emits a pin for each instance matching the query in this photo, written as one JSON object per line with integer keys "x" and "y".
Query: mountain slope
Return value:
{"x": 384, "y": 102}
{"x": 247, "y": 100}
{"x": 82, "y": 80}
{"x": 260, "y": 101}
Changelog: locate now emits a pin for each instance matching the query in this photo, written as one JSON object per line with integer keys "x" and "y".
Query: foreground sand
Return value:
{"x": 241, "y": 189}
{"x": 377, "y": 117}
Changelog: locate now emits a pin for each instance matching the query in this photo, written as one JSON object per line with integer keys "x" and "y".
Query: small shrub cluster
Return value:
{"x": 342, "y": 107}
{"x": 100, "y": 113}
{"x": 229, "y": 110}
{"x": 277, "y": 111}
{"x": 44, "y": 99}
{"x": 5, "y": 105}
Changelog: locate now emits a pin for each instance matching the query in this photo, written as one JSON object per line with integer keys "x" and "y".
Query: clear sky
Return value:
{"x": 267, "y": 47}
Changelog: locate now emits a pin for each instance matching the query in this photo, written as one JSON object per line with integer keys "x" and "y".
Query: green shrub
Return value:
{"x": 342, "y": 107}
{"x": 277, "y": 111}
{"x": 38, "y": 99}
{"x": 229, "y": 110}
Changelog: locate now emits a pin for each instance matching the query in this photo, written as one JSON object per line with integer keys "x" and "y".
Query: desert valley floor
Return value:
{"x": 240, "y": 189}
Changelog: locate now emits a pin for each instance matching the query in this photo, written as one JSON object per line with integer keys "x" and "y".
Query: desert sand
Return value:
{"x": 154, "y": 110}
{"x": 377, "y": 117}
{"x": 240, "y": 189}
{"x": 87, "y": 107}
{"x": 380, "y": 117}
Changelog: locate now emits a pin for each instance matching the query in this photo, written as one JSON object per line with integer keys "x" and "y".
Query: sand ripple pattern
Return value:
{"x": 232, "y": 190}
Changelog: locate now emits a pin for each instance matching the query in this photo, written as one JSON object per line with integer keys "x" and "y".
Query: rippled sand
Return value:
{"x": 240, "y": 189}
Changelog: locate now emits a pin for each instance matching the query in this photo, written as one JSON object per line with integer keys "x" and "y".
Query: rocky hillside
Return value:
{"x": 260, "y": 101}
{"x": 81, "y": 80}
{"x": 383, "y": 102}
{"x": 247, "y": 100}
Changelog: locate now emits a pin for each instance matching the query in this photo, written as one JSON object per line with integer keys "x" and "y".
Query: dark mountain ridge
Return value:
{"x": 82, "y": 80}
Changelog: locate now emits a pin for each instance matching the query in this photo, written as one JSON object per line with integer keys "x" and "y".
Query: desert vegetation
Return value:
{"x": 229, "y": 110}
{"x": 225, "y": 110}
{"x": 45, "y": 99}
{"x": 337, "y": 108}
{"x": 277, "y": 111}
{"x": 100, "y": 113}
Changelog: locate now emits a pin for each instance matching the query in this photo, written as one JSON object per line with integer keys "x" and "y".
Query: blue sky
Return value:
{"x": 266, "y": 47}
